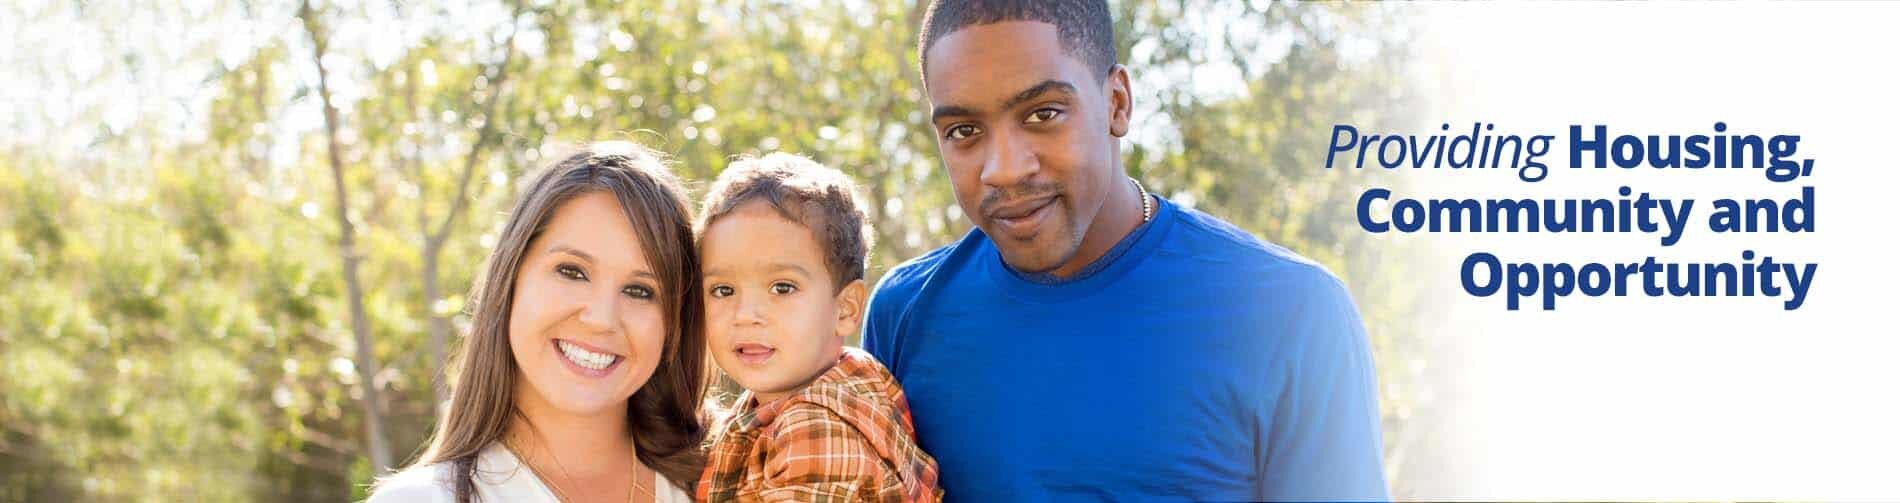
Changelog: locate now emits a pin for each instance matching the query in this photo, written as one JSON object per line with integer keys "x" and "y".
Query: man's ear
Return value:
{"x": 1121, "y": 100}
{"x": 850, "y": 307}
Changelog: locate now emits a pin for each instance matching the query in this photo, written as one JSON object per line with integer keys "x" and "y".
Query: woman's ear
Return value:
{"x": 850, "y": 307}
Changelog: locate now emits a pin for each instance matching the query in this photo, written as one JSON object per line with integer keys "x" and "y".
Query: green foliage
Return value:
{"x": 174, "y": 325}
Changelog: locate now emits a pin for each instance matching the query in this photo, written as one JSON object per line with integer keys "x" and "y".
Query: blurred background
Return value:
{"x": 236, "y": 237}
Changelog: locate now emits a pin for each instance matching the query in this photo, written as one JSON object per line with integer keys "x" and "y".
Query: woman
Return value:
{"x": 583, "y": 370}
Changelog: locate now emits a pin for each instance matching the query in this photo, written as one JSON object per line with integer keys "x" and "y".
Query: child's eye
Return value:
{"x": 960, "y": 131}
{"x": 720, "y": 291}
{"x": 1043, "y": 114}
{"x": 783, "y": 288}
{"x": 638, "y": 291}
{"x": 571, "y": 272}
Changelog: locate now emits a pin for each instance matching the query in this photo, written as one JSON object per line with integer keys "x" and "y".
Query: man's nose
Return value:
{"x": 1010, "y": 161}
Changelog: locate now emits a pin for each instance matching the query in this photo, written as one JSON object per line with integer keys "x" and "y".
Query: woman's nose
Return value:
{"x": 598, "y": 313}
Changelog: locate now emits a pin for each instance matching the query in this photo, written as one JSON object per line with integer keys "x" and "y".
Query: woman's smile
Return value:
{"x": 587, "y": 361}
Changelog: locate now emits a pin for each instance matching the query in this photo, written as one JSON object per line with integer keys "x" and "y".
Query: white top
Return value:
{"x": 499, "y": 477}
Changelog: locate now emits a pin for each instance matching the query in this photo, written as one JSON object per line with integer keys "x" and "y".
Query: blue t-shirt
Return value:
{"x": 1196, "y": 362}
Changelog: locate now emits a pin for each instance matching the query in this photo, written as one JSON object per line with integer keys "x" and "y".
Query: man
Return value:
{"x": 1089, "y": 340}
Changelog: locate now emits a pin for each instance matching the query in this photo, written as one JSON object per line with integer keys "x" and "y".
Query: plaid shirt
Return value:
{"x": 847, "y": 437}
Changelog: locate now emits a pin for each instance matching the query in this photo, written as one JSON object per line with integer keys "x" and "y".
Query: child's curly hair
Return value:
{"x": 802, "y": 190}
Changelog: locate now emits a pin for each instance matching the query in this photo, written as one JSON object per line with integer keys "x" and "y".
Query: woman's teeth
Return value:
{"x": 584, "y": 358}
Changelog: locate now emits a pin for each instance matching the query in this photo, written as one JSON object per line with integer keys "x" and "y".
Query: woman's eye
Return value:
{"x": 783, "y": 288}
{"x": 638, "y": 292}
{"x": 1041, "y": 115}
{"x": 721, "y": 291}
{"x": 570, "y": 272}
{"x": 960, "y": 131}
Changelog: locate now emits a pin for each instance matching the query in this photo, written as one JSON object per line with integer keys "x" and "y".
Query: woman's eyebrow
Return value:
{"x": 571, "y": 251}
{"x": 642, "y": 272}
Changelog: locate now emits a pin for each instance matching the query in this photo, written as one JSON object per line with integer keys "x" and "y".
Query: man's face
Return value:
{"x": 1028, "y": 133}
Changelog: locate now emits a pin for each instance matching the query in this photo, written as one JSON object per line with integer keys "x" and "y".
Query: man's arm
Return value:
{"x": 1323, "y": 437}
{"x": 878, "y": 337}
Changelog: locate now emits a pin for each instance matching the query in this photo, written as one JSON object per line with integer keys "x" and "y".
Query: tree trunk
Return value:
{"x": 346, "y": 242}
{"x": 434, "y": 240}
{"x": 438, "y": 327}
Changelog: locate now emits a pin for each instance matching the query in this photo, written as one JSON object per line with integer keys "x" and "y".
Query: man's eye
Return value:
{"x": 571, "y": 272}
{"x": 638, "y": 292}
{"x": 960, "y": 131}
{"x": 721, "y": 291}
{"x": 783, "y": 288}
{"x": 1042, "y": 115}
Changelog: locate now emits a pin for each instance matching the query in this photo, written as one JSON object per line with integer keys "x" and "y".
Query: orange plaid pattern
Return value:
{"x": 846, "y": 438}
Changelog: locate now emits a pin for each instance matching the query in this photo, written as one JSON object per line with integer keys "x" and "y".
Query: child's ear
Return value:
{"x": 850, "y": 307}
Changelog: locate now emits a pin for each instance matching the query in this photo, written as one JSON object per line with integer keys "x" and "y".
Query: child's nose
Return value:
{"x": 751, "y": 311}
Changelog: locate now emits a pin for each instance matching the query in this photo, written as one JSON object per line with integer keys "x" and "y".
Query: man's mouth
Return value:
{"x": 1021, "y": 219}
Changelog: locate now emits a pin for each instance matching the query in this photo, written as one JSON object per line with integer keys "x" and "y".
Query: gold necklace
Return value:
{"x": 636, "y": 479}
{"x": 633, "y": 466}
{"x": 1147, "y": 208}
{"x": 538, "y": 475}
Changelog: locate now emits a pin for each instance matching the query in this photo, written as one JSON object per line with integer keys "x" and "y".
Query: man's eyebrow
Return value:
{"x": 1038, "y": 90}
{"x": 950, "y": 111}
{"x": 1028, "y": 94}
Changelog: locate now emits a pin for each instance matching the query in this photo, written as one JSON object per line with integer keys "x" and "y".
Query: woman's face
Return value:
{"x": 586, "y": 326}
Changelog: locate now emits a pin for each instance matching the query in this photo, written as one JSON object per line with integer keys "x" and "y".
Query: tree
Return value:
{"x": 224, "y": 360}
{"x": 378, "y": 443}
{"x": 435, "y": 238}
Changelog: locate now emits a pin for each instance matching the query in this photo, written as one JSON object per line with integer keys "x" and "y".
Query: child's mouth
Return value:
{"x": 754, "y": 353}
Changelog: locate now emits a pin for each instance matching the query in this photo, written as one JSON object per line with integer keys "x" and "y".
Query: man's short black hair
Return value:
{"x": 1084, "y": 26}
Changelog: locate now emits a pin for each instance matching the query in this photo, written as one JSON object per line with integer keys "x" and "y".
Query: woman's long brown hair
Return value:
{"x": 663, "y": 412}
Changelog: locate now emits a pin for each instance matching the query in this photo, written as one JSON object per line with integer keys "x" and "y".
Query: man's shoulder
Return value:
{"x": 912, "y": 272}
{"x": 907, "y": 279}
{"x": 1207, "y": 239}
{"x": 1301, "y": 303}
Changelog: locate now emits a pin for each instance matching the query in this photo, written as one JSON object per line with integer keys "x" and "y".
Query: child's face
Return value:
{"x": 772, "y": 321}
